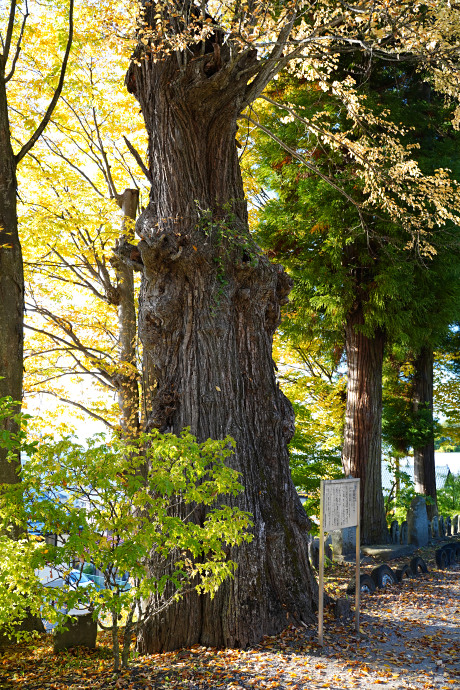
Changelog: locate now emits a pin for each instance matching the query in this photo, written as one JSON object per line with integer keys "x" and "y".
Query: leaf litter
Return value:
{"x": 410, "y": 640}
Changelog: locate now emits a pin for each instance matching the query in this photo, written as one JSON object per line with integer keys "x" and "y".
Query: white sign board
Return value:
{"x": 339, "y": 507}
{"x": 340, "y": 503}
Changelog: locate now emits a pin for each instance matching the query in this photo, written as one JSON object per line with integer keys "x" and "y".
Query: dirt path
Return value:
{"x": 410, "y": 640}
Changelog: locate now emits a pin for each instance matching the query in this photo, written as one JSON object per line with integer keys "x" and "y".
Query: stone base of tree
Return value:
{"x": 82, "y": 632}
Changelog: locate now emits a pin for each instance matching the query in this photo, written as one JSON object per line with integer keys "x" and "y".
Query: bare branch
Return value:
{"x": 308, "y": 165}
{"x": 46, "y": 118}
{"x": 122, "y": 161}
{"x": 104, "y": 378}
{"x": 81, "y": 407}
{"x": 9, "y": 32}
{"x": 107, "y": 172}
{"x": 78, "y": 345}
{"x": 58, "y": 152}
{"x": 18, "y": 46}
{"x": 85, "y": 133}
{"x": 102, "y": 277}
{"x": 137, "y": 157}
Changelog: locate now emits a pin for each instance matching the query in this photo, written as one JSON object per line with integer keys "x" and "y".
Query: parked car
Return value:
{"x": 78, "y": 579}
{"x": 97, "y": 576}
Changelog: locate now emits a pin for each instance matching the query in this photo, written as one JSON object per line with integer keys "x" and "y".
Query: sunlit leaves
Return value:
{"x": 114, "y": 504}
{"x": 69, "y": 220}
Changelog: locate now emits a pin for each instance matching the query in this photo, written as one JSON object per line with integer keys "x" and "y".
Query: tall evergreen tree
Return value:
{"x": 409, "y": 403}
{"x": 357, "y": 269}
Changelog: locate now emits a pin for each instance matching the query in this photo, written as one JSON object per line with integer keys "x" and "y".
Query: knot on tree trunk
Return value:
{"x": 112, "y": 295}
{"x": 287, "y": 411}
{"x": 283, "y": 285}
{"x": 163, "y": 240}
{"x": 164, "y": 404}
{"x": 128, "y": 254}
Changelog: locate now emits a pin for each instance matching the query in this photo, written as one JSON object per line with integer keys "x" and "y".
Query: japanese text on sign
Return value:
{"x": 340, "y": 503}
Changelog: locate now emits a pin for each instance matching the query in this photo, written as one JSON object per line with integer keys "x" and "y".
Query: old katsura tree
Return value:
{"x": 209, "y": 302}
{"x": 209, "y": 306}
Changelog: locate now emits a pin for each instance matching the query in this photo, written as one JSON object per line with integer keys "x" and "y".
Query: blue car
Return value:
{"x": 78, "y": 579}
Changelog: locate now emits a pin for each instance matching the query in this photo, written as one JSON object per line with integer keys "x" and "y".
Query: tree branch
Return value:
{"x": 138, "y": 159}
{"x": 57, "y": 152}
{"x": 102, "y": 277}
{"x": 81, "y": 407}
{"x": 78, "y": 345}
{"x": 9, "y": 32}
{"x": 320, "y": 131}
{"x": 269, "y": 69}
{"x": 107, "y": 172}
{"x": 46, "y": 118}
{"x": 308, "y": 165}
{"x": 18, "y": 46}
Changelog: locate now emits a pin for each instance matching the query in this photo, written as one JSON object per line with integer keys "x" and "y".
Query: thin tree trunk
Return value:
{"x": 11, "y": 266}
{"x": 208, "y": 309}
{"x": 11, "y": 305}
{"x": 11, "y": 283}
{"x": 115, "y": 642}
{"x": 362, "y": 442}
{"x": 424, "y": 466}
{"x": 127, "y": 378}
{"x": 127, "y": 636}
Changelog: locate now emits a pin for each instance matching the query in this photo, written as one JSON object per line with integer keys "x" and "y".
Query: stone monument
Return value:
{"x": 343, "y": 542}
{"x": 417, "y": 522}
{"x": 455, "y": 524}
{"x": 81, "y": 632}
{"x": 404, "y": 536}
{"x": 394, "y": 532}
{"x": 442, "y": 526}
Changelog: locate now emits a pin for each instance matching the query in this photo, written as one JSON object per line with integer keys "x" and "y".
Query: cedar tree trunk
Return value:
{"x": 11, "y": 282}
{"x": 362, "y": 442}
{"x": 424, "y": 467}
{"x": 209, "y": 306}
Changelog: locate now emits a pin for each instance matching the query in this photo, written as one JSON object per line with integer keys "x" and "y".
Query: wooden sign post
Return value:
{"x": 339, "y": 508}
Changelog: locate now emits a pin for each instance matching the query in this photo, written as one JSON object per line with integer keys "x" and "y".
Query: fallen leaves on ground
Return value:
{"x": 410, "y": 640}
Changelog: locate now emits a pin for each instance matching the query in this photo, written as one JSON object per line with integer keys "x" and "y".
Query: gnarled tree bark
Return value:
{"x": 209, "y": 305}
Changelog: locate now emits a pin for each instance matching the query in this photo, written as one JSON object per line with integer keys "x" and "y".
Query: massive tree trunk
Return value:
{"x": 11, "y": 282}
{"x": 362, "y": 443}
{"x": 209, "y": 305}
{"x": 424, "y": 467}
